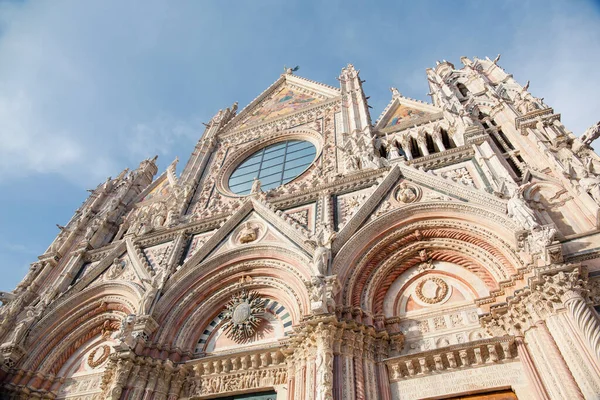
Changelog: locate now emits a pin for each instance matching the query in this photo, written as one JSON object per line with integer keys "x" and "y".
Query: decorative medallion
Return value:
{"x": 431, "y": 290}
{"x": 95, "y": 359}
{"x": 407, "y": 194}
{"x": 249, "y": 232}
{"x": 242, "y": 316}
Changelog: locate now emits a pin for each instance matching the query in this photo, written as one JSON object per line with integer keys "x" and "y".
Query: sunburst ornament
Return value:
{"x": 242, "y": 315}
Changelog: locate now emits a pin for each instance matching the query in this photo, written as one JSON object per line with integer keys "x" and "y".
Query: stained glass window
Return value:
{"x": 273, "y": 165}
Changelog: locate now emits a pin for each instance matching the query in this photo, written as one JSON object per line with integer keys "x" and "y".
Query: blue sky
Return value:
{"x": 88, "y": 88}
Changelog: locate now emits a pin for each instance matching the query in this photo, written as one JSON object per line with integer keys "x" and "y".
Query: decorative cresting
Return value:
{"x": 243, "y": 315}
{"x": 222, "y": 180}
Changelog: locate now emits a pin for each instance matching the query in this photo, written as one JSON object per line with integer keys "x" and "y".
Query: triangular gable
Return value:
{"x": 402, "y": 112}
{"x": 233, "y": 224}
{"x": 445, "y": 187}
{"x": 267, "y": 234}
{"x": 286, "y": 95}
{"x": 160, "y": 188}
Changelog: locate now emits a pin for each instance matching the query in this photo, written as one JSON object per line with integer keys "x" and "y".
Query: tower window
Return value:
{"x": 462, "y": 89}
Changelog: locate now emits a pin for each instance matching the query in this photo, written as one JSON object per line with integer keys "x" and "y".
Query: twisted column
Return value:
{"x": 585, "y": 320}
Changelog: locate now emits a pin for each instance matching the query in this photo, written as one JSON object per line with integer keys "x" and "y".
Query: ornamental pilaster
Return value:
{"x": 324, "y": 335}
{"x": 118, "y": 377}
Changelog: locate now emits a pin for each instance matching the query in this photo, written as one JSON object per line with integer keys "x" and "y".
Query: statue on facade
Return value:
{"x": 248, "y": 233}
{"x": 519, "y": 210}
{"x": 155, "y": 285}
{"x": 322, "y": 239}
{"x": 125, "y": 333}
{"x": 28, "y": 280}
{"x": 256, "y": 186}
{"x": 91, "y": 229}
{"x": 290, "y": 71}
{"x": 23, "y": 326}
{"x": 592, "y": 133}
{"x": 590, "y": 183}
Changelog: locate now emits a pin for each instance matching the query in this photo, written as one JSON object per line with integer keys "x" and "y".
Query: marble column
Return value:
{"x": 324, "y": 362}
{"x": 555, "y": 373}
{"x": 585, "y": 320}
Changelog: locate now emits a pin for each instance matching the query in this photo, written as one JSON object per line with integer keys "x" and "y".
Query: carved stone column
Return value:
{"x": 137, "y": 388}
{"x": 569, "y": 288}
{"x": 556, "y": 375}
{"x": 370, "y": 375}
{"x": 324, "y": 361}
{"x": 359, "y": 377}
{"x": 585, "y": 320}
{"x": 347, "y": 365}
{"x": 383, "y": 380}
{"x": 581, "y": 363}
{"x": 119, "y": 380}
{"x": 532, "y": 373}
{"x": 176, "y": 384}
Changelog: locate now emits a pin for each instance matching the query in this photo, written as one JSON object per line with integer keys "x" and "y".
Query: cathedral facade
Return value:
{"x": 306, "y": 252}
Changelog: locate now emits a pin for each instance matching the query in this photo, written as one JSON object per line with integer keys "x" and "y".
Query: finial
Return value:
{"x": 290, "y": 71}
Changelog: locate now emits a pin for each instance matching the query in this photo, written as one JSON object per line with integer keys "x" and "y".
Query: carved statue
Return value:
{"x": 392, "y": 151}
{"x": 116, "y": 269}
{"x": 248, "y": 233}
{"x": 290, "y": 71}
{"x": 124, "y": 335}
{"x": 519, "y": 210}
{"x": 591, "y": 184}
{"x": 395, "y": 92}
{"x": 540, "y": 238}
{"x": 24, "y": 325}
{"x": 28, "y": 280}
{"x": 592, "y": 133}
{"x": 256, "y": 186}
{"x": 91, "y": 229}
{"x": 322, "y": 255}
{"x": 406, "y": 194}
{"x": 151, "y": 292}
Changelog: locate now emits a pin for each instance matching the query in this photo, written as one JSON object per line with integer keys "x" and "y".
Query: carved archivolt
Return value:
{"x": 403, "y": 246}
{"x": 497, "y": 230}
{"x": 208, "y": 290}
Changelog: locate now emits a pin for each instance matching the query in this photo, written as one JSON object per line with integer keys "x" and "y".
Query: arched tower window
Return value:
{"x": 462, "y": 89}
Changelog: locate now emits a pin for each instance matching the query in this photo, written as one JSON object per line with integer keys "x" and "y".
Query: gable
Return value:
{"x": 287, "y": 95}
{"x": 403, "y": 113}
{"x": 284, "y": 100}
{"x": 160, "y": 190}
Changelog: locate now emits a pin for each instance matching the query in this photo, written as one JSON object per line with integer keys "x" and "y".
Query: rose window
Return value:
{"x": 274, "y": 165}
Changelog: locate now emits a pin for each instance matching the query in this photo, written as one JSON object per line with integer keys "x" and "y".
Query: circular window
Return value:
{"x": 273, "y": 165}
